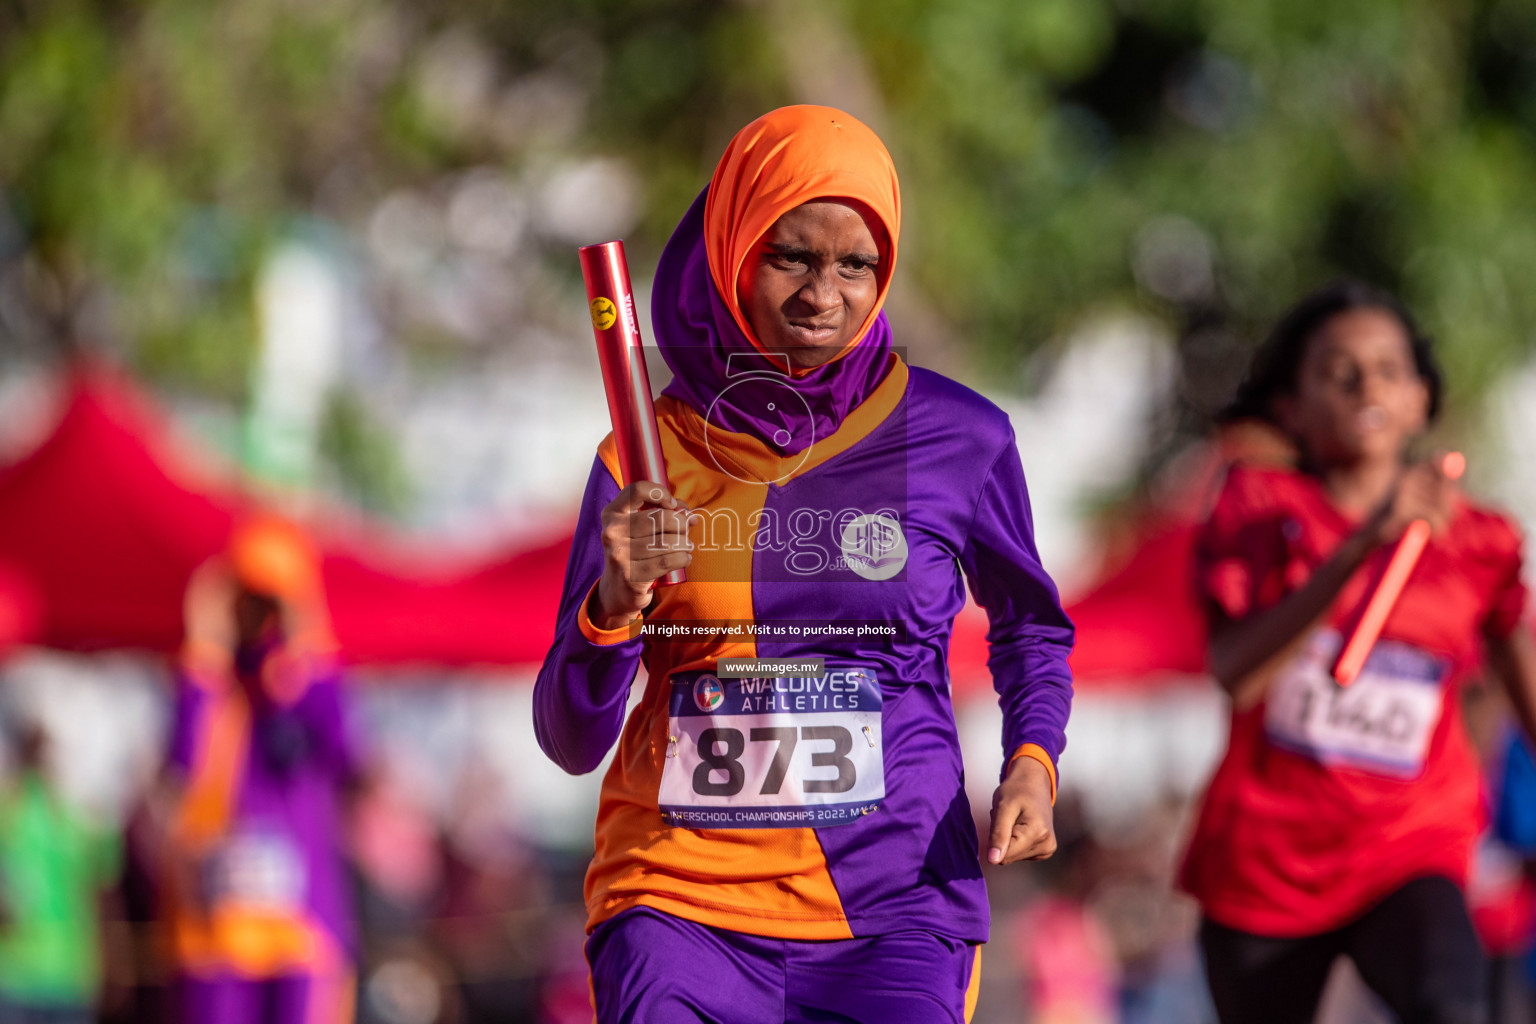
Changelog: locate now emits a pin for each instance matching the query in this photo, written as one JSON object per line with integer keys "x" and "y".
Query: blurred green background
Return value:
{"x": 187, "y": 186}
{"x": 1202, "y": 161}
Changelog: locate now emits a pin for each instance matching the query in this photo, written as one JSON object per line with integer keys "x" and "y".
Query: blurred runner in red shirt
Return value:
{"x": 1342, "y": 821}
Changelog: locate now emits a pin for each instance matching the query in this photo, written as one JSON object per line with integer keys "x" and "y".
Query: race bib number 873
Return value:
{"x": 1382, "y": 723}
{"x": 773, "y": 753}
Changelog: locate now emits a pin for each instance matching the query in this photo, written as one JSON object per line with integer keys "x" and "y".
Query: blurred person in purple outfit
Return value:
{"x": 261, "y": 925}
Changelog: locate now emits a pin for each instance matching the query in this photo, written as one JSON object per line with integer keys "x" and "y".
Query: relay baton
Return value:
{"x": 1404, "y": 557}
{"x": 619, "y": 352}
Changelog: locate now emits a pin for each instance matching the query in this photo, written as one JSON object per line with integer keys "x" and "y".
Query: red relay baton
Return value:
{"x": 620, "y": 353}
{"x": 1409, "y": 547}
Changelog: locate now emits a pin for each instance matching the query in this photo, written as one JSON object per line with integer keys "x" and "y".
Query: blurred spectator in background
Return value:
{"x": 1512, "y": 847}
{"x": 495, "y": 923}
{"x": 1073, "y": 978}
{"x": 54, "y": 869}
{"x": 258, "y": 903}
{"x": 394, "y": 848}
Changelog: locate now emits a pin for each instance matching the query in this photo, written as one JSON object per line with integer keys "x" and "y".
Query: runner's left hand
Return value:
{"x": 1023, "y": 825}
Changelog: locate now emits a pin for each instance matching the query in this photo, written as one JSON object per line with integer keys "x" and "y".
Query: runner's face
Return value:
{"x": 1359, "y": 396}
{"x": 256, "y": 615}
{"x": 811, "y": 280}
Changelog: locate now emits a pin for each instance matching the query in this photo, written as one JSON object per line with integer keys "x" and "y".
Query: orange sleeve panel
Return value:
{"x": 601, "y": 637}
{"x": 1037, "y": 752}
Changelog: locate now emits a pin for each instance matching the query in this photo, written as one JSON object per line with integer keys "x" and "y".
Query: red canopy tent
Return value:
{"x": 1141, "y": 621}
{"x": 18, "y": 610}
{"x": 101, "y": 526}
{"x": 1138, "y": 625}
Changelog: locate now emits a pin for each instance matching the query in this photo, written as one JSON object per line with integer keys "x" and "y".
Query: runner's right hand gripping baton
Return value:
{"x": 622, "y": 358}
{"x": 1404, "y": 557}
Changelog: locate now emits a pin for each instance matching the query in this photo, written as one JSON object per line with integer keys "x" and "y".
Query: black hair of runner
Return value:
{"x": 1277, "y": 363}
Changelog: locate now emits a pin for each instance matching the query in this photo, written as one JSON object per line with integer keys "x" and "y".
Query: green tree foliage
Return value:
{"x": 1055, "y": 149}
{"x": 1202, "y": 160}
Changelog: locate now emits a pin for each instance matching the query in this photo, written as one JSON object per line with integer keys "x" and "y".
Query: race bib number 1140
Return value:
{"x": 773, "y": 753}
{"x": 1382, "y": 723}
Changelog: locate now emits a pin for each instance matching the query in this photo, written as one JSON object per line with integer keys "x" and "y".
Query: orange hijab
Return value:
{"x": 784, "y": 159}
{"x": 273, "y": 556}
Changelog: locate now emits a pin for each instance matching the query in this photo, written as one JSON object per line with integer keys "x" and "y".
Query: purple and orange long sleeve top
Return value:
{"x": 928, "y": 468}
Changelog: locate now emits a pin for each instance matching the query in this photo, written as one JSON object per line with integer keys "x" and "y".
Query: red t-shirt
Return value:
{"x": 1328, "y": 799}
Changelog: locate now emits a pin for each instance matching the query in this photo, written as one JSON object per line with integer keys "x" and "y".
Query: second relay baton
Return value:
{"x": 1384, "y": 598}
{"x": 619, "y": 352}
